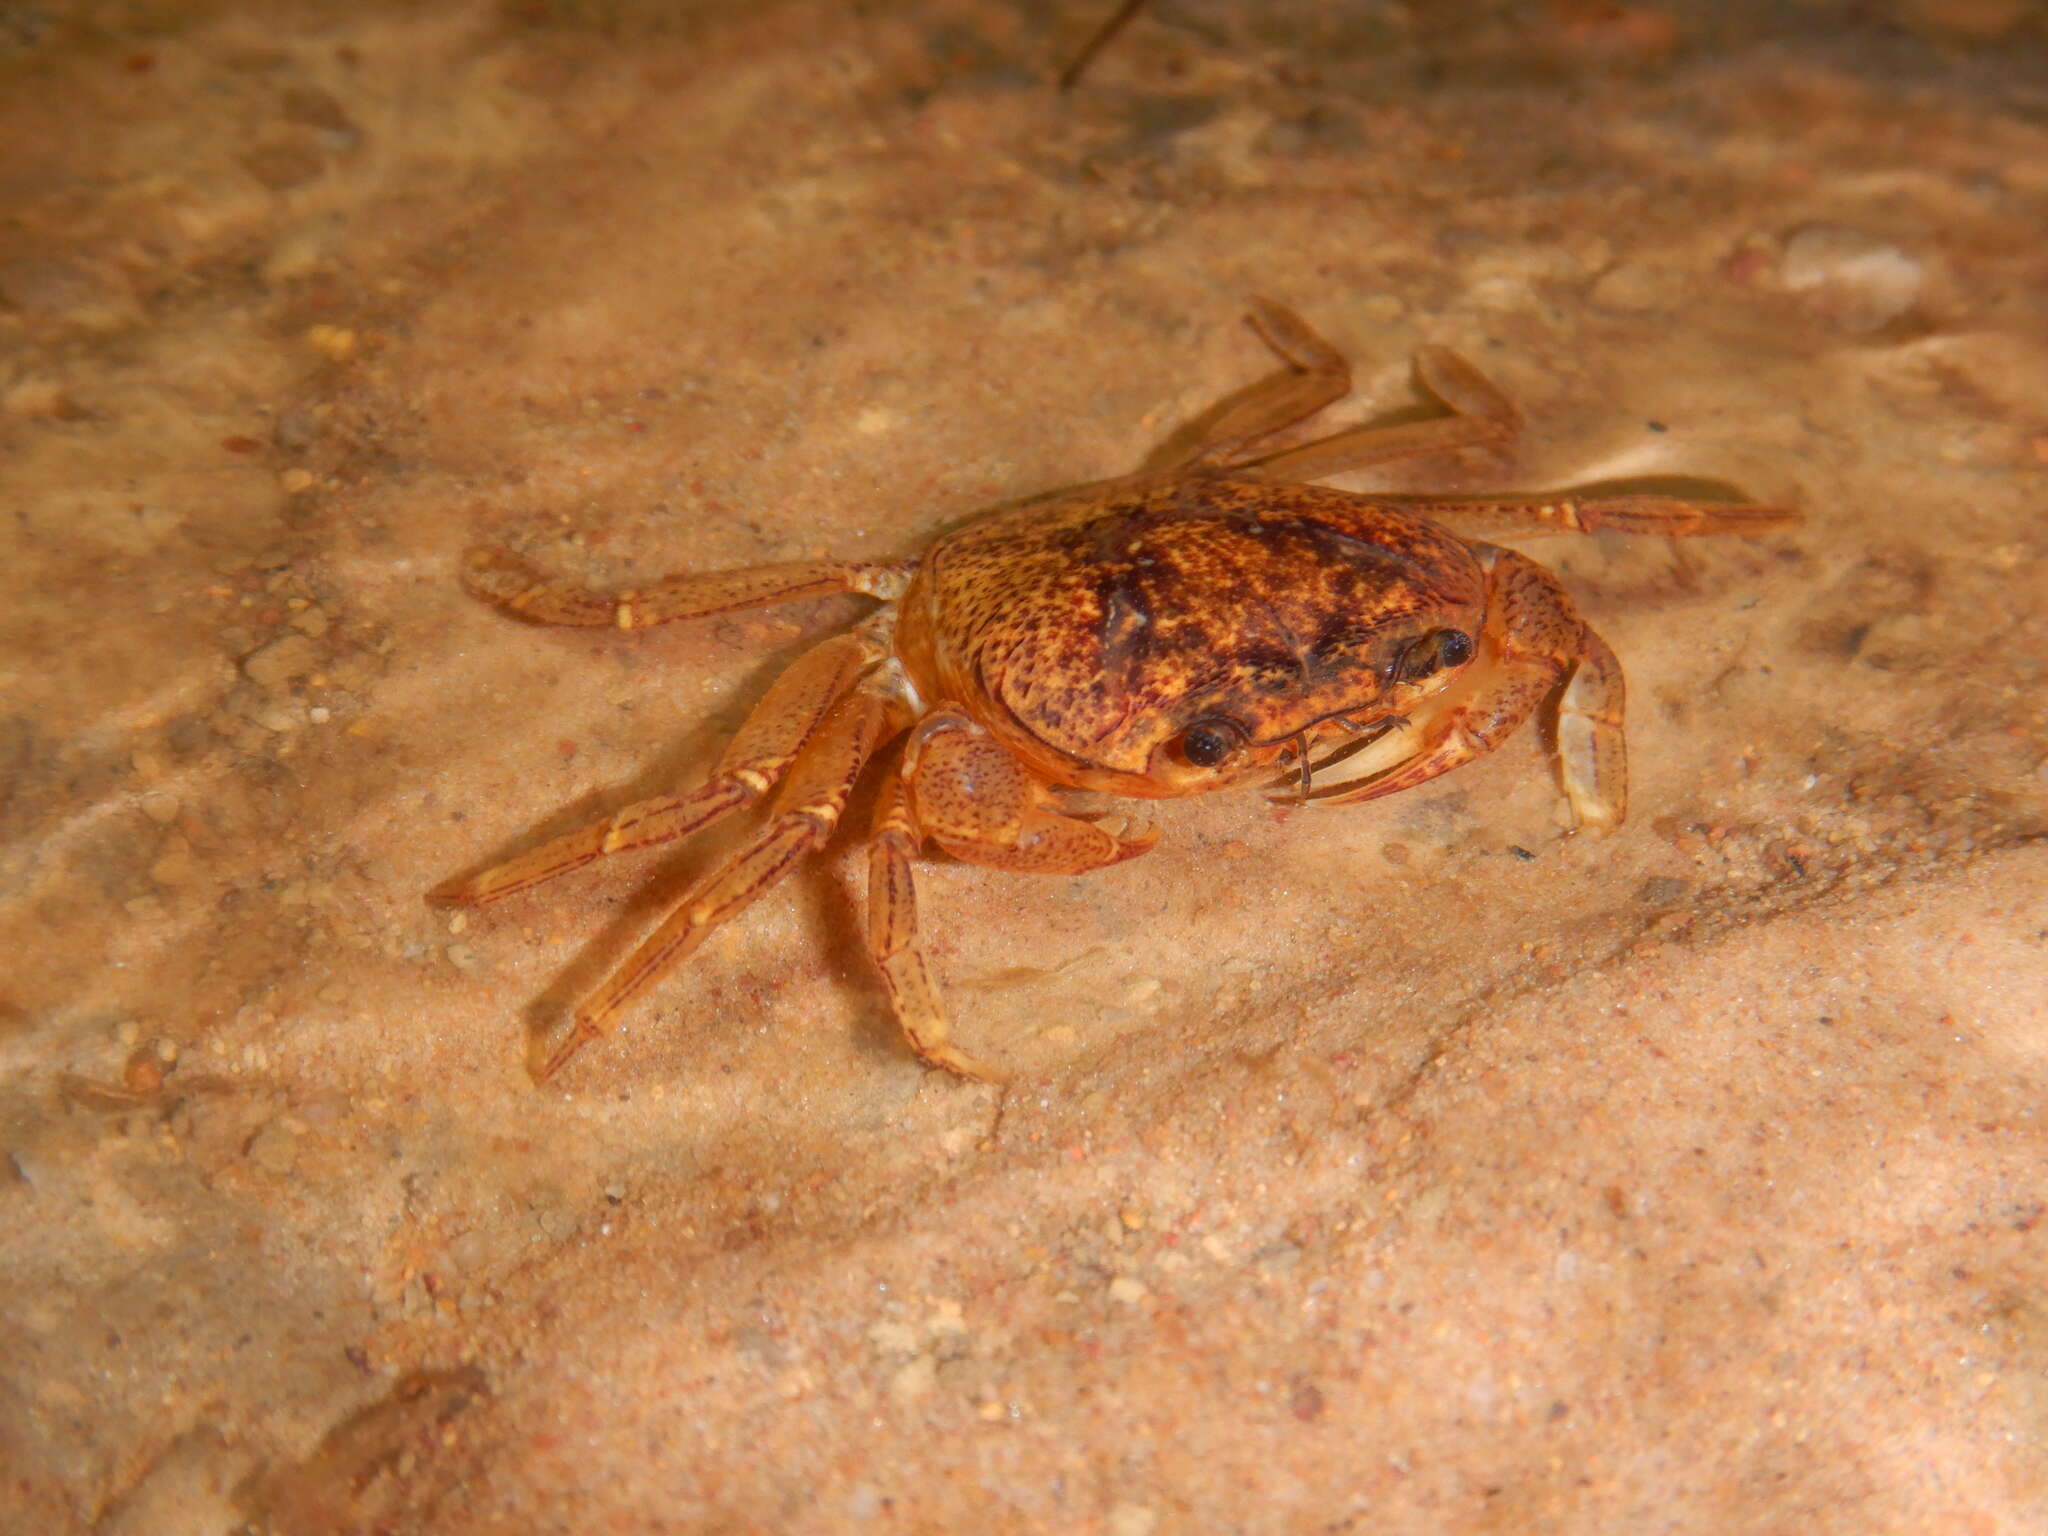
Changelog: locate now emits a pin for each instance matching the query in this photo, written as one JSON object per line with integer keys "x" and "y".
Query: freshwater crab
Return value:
{"x": 1169, "y": 633}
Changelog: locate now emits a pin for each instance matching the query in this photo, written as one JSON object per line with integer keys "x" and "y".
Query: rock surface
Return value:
{"x": 1411, "y": 1168}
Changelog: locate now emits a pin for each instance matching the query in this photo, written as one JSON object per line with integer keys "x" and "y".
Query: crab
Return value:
{"x": 1218, "y": 622}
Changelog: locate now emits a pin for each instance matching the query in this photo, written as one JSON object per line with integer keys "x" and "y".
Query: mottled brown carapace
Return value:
{"x": 1179, "y": 631}
{"x": 1090, "y": 634}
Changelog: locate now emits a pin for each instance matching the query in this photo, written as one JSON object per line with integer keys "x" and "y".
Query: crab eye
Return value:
{"x": 1436, "y": 650}
{"x": 1209, "y": 742}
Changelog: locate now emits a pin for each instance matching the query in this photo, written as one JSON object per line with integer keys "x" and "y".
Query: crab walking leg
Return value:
{"x": 501, "y": 578}
{"x": 1481, "y": 416}
{"x": 755, "y": 759}
{"x": 978, "y": 803}
{"x": 1592, "y": 753}
{"x": 1672, "y": 517}
{"x": 1533, "y": 638}
{"x": 892, "y": 935}
{"x": 1319, "y": 375}
{"x": 805, "y": 813}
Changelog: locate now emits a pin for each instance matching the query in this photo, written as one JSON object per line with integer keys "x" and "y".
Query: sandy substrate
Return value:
{"x": 1413, "y": 1167}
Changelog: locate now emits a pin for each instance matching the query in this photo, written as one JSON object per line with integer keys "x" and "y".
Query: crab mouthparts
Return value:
{"x": 1296, "y": 786}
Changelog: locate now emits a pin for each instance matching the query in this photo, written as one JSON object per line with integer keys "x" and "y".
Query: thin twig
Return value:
{"x": 1071, "y": 76}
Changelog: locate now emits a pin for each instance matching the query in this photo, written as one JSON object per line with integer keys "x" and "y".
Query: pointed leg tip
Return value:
{"x": 1746, "y": 519}
{"x": 1134, "y": 838}
{"x": 577, "y": 1038}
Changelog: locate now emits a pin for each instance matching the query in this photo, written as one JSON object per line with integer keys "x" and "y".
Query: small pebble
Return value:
{"x": 142, "y": 1074}
{"x": 334, "y": 342}
{"x": 914, "y": 1379}
{"x": 1632, "y": 289}
{"x": 1857, "y": 280}
{"x": 274, "y": 1149}
{"x": 275, "y": 665}
{"x": 175, "y": 866}
{"x": 1306, "y": 1401}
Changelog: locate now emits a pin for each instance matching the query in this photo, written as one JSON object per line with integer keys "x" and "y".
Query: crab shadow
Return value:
{"x": 624, "y": 897}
